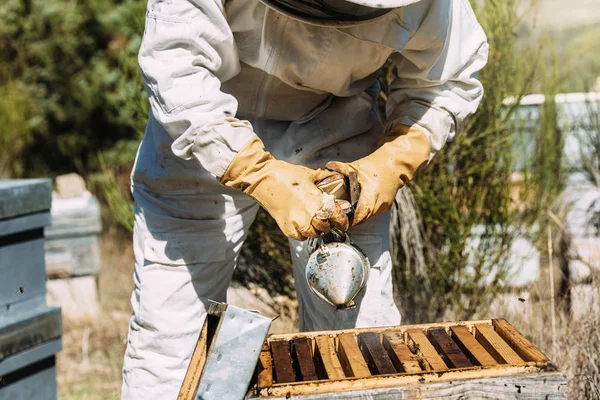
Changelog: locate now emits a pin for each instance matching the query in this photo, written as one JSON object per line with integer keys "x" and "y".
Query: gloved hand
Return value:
{"x": 288, "y": 192}
{"x": 386, "y": 170}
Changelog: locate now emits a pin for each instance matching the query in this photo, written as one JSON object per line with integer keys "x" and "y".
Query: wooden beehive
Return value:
{"x": 30, "y": 331}
{"x": 472, "y": 359}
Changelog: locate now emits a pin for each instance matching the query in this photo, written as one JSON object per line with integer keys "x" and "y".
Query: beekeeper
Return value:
{"x": 252, "y": 103}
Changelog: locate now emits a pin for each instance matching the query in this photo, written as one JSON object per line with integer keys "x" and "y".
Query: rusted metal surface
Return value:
{"x": 364, "y": 360}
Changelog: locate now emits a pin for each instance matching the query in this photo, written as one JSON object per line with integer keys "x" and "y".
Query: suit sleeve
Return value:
{"x": 187, "y": 51}
{"x": 436, "y": 87}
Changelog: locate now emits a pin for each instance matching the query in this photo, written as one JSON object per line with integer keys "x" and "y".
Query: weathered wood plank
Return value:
{"x": 373, "y": 351}
{"x": 282, "y": 361}
{"x": 24, "y": 196}
{"x": 189, "y": 386}
{"x": 22, "y": 273}
{"x": 30, "y": 331}
{"x": 426, "y": 350}
{"x": 450, "y": 351}
{"x": 471, "y": 346}
{"x": 523, "y": 347}
{"x": 304, "y": 356}
{"x": 35, "y": 381}
{"x": 400, "y": 354}
{"x": 326, "y": 356}
{"x": 494, "y": 344}
{"x": 351, "y": 359}
{"x": 265, "y": 368}
{"x": 383, "y": 329}
{"x": 503, "y": 382}
{"x": 423, "y": 384}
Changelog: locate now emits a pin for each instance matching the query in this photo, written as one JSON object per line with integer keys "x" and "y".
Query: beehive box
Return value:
{"x": 30, "y": 332}
{"x": 71, "y": 246}
{"x": 474, "y": 359}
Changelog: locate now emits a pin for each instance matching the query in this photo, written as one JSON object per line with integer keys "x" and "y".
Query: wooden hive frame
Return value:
{"x": 310, "y": 364}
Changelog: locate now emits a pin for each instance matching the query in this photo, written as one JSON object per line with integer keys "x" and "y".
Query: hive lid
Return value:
{"x": 74, "y": 217}
{"x": 24, "y": 196}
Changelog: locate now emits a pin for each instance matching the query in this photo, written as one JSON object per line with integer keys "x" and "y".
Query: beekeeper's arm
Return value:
{"x": 188, "y": 49}
{"x": 435, "y": 91}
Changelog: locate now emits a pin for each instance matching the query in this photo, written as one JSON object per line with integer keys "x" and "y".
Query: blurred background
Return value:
{"x": 505, "y": 222}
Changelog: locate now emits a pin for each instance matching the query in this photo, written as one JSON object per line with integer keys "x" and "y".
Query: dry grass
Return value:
{"x": 574, "y": 345}
{"x": 89, "y": 367}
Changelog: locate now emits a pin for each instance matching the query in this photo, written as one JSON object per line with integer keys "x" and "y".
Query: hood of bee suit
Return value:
{"x": 336, "y": 12}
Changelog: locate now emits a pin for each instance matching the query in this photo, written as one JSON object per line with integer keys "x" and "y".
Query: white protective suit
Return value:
{"x": 220, "y": 72}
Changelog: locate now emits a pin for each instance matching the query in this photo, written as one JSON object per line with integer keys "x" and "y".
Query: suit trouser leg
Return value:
{"x": 188, "y": 232}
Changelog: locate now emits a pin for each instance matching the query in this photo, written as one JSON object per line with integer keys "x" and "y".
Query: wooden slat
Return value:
{"x": 424, "y": 348}
{"x": 265, "y": 368}
{"x": 29, "y": 331}
{"x": 450, "y": 351}
{"x": 282, "y": 362}
{"x": 494, "y": 344}
{"x": 189, "y": 386}
{"x": 306, "y": 366}
{"x": 471, "y": 347}
{"x": 523, "y": 347}
{"x": 327, "y": 357}
{"x": 373, "y": 351}
{"x": 356, "y": 331}
{"x": 400, "y": 354}
{"x": 351, "y": 359}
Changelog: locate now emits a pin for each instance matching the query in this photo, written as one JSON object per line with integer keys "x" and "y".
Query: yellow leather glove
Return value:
{"x": 386, "y": 170}
{"x": 288, "y": 192}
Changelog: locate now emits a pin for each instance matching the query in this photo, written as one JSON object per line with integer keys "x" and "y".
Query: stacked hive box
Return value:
{"x": 73, "y": 255}
{"x": 72, "y": 248}
{"x": 30, "y": 332}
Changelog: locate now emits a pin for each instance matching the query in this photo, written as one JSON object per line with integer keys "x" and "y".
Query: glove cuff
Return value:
{"x": 248, "y": 161}
{"x": 407, "y": 147}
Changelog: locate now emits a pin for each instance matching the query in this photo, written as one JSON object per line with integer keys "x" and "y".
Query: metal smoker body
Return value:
{"x": 337, "y": 271}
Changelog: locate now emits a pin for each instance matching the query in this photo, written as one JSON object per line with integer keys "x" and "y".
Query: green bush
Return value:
{"x": 16, "y": 121}
{"x": 450, "y": 243}
{"x": 80, "y": 89}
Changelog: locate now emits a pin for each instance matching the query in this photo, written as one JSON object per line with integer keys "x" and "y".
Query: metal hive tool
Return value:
{"x": 226, "y": 354}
